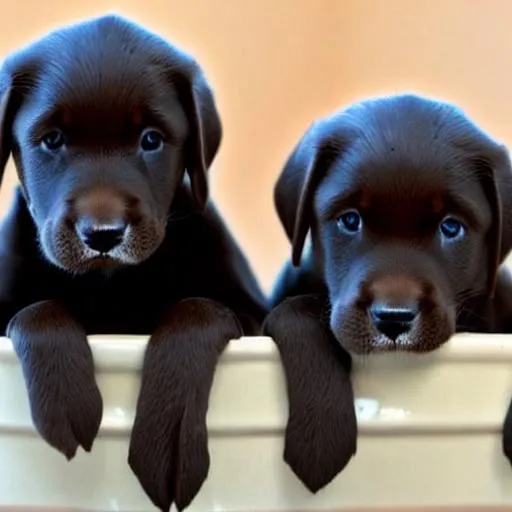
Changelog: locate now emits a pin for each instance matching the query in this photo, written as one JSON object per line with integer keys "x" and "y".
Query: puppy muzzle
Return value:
{"x": 394, "y": 312}
{"x": 101, "y": 228}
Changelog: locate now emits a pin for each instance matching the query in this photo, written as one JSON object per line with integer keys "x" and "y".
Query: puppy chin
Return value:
{"x": 354, "y": 330}
{"x": 62, "y": 247}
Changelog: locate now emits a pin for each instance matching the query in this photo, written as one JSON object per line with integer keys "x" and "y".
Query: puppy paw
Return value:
{"x": 321, "y": 438}
{"x": 321, "y": 433}
{"x": 58, "y": 368}
{"x": 169, "y": 445}
{"x": 169, "y": 442}
{"x": 507, "y": 435}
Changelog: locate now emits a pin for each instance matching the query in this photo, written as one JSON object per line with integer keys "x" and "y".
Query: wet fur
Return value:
{"x": 178, "y": 275}
{"x": 405, "y": 162}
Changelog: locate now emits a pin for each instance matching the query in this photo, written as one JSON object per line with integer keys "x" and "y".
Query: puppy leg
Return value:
{"x": 502, "y": 320}
{"x": 507, "y": 434}
{"x": 58, "y": 368}
{"x": 321, "y": 434}
{"x": 168, "y": 448}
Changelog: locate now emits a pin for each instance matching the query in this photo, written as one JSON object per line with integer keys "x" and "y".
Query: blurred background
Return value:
{"x": 278, "y": 64}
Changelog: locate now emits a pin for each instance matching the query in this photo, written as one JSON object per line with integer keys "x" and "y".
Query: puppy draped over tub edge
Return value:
{"x": 408, "y": 206}
{"x": 105, "y": 236}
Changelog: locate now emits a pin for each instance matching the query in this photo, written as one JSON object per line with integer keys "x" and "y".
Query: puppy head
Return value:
{"x": 103, "y": 119}
{"x": 403, "y": 197}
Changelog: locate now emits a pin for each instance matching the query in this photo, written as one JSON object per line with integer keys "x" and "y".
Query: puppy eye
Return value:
{"x": 151, "y": 140}
{"x": 451, "y": 228}
{"x": 350, "y": 221}
{"x": 53, "y": 141}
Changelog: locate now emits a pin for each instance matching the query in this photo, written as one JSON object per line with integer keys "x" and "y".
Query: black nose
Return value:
{"x": 101, "y": 237}
{"x": 393, "y": 321}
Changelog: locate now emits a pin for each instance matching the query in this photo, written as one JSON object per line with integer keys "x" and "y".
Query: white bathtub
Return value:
{"x": 429, "y": 434}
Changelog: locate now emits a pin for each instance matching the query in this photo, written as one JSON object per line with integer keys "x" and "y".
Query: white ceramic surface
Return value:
{"x": 429, "y": 433}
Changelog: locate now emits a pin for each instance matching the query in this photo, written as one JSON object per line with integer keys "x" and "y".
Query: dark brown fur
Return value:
{"x": 106, "y": 236}
{"x": 405, "y": 164}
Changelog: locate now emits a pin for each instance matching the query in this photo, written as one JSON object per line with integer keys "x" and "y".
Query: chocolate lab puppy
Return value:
{"x": 409, "y": 209}
{"x": 112, "y": 131}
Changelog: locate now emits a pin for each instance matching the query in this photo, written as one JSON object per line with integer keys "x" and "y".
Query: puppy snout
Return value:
{"x": 391, "y": 320}
{"x": 392, "y": 311}
{"x": 101, "y": 217}
{"x": 395, "y": 304}
{"x": 101, "y": 237}
{"x": 105, "y": 226}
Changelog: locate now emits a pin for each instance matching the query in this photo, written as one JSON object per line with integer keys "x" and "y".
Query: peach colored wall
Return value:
{"x": 278, "y": 64}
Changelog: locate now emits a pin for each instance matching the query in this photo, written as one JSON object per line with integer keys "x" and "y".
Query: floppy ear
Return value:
{"x": 205, "y": 130}
{"x": 5, "y": 131}
{"x": 494, "y": 237}
{"x": 296, "y": 186}
{"x": 495, "y": 174}
{"x": 8, "y": 107}
{"x": 16, "y": 77}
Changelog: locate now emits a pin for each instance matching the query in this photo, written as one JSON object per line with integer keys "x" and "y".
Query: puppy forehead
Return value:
{"x": 399, "y": 174}
{"x": 109, "y": 72}
{"x": 95, "y": 111}
{"x": 106, "y": 86}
